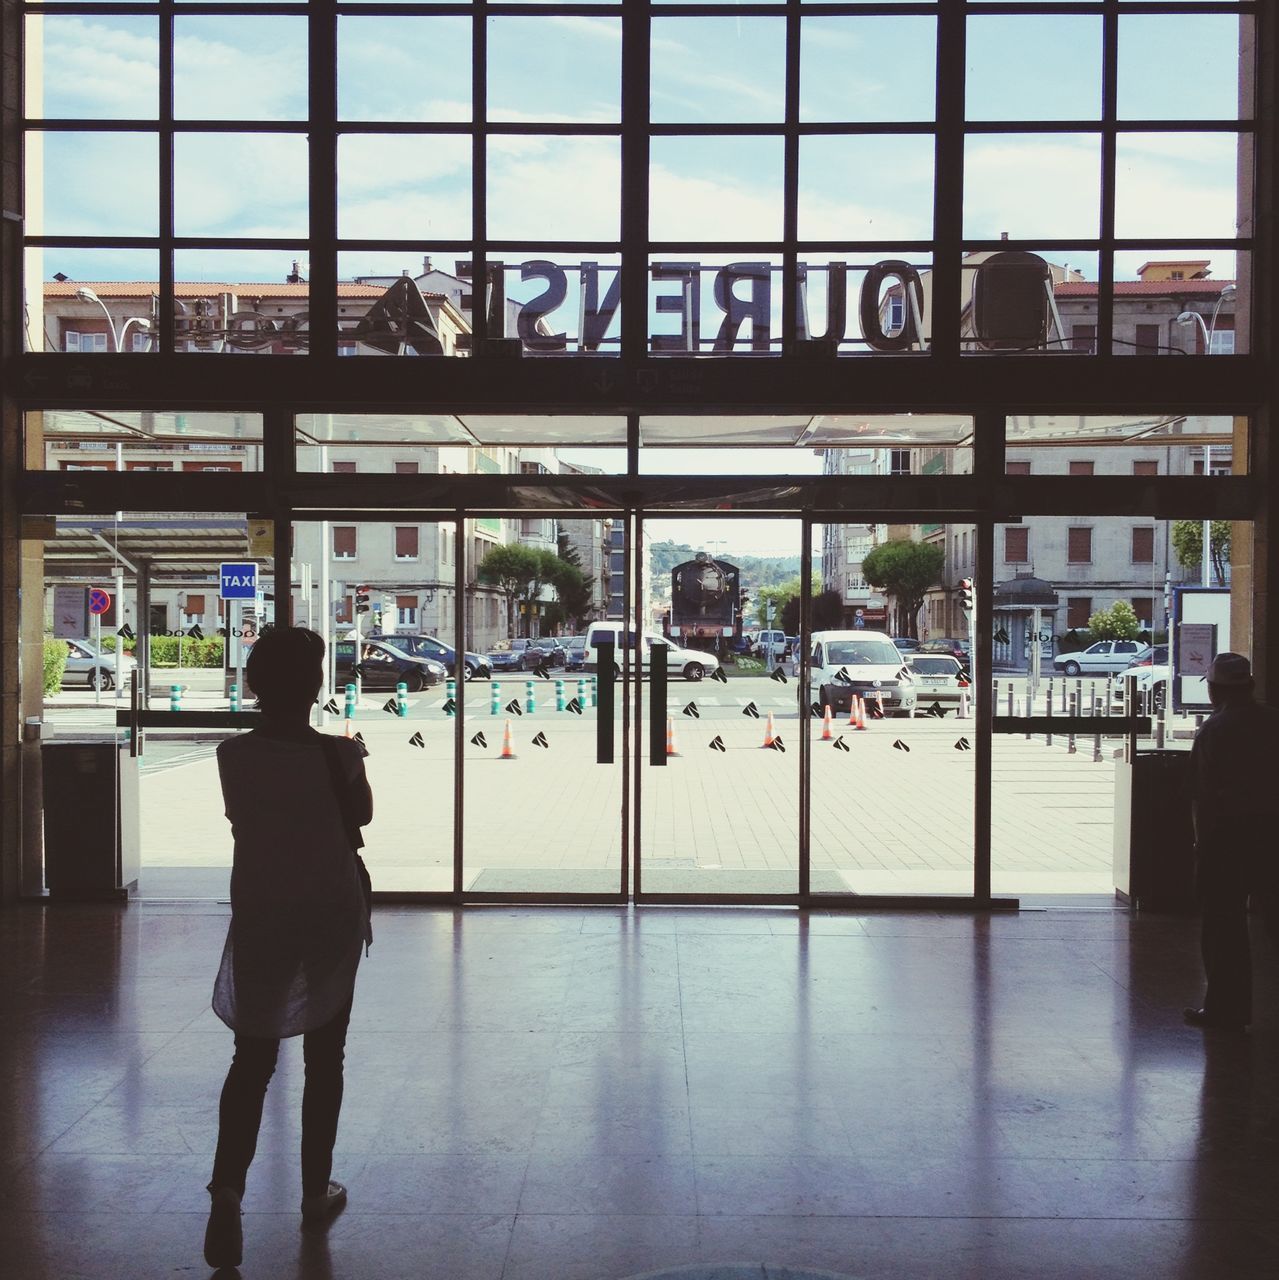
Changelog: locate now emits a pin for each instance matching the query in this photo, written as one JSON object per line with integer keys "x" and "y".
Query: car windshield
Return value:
{"x": 934, "y": 666}
{"x": 861, "y": 653}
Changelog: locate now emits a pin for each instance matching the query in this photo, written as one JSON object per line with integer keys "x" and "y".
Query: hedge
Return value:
{"x": 164, "y": 650}
{"x": 55, "y": 664}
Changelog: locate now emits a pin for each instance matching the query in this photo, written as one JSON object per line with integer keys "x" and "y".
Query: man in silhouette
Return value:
{"x": 1234, "y": 768}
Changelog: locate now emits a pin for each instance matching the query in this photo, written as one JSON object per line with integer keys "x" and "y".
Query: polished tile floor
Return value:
{"x": 591, "y": 1094}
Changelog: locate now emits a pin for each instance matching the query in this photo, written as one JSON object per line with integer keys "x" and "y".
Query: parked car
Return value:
{"x": 742, "y": 644}
{"x": 89, "y": 665}
{"x": 538, "y": 650}
{"x": 843, "y": 663}
{"x": 770, "y": 641}
{"x": 938, "y": 677}
{"x": 1105, "y": 657}
{"x": 1157, "y": 657}
{"x": 906, "y": 644}
{"x": 503, "y": 660}
{"x": 958, "y": 649}
{"x": 693, "y": 664}
{"x": 574, "y": 652}
{"x": 382, "y": 666}
{"x": 476, "y": 665}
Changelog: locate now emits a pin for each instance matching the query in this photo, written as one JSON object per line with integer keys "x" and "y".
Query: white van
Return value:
{"x": 692, "y": 664}
{"x": 842, "y": 663}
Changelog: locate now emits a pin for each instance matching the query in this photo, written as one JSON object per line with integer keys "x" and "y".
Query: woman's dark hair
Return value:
{"x": 285, "y": 669}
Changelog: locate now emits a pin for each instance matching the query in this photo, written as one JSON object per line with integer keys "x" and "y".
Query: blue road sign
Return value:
{"x": 239, "y": 581}
{"x": 99, "y": 600}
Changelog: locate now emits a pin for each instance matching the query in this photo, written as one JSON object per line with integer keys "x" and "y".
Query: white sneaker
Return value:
{"x": 224, "y": 1235}
{"x": 325, "y": 1204}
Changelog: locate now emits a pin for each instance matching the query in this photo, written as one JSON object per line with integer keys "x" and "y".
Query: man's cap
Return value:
{"x": 1230, "y": 669}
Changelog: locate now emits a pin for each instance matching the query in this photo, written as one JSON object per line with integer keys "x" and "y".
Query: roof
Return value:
{"x": 1142, "y": 288}
{"x": 206, "y": 288}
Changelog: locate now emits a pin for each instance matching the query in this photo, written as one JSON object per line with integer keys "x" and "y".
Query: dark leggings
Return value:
{"x": 240, "y": 1111}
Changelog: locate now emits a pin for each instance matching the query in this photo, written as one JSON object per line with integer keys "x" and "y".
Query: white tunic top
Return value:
{"x": 297, "y": 908}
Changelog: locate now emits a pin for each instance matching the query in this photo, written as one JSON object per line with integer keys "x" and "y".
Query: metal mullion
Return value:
{"x": 801, "y": 677}
{"x": 790, "y": 184}
{"x": 322, "y": 181}
{"x": 479, "y": 178}
{"x": 636, "y": 58}
{"x": 460, "y": 554}
{"x": 630, "y": 666}
{"x": 1109, "y": 143}
{"x": 948, "y": 183}
{"x": 166, "y": 309}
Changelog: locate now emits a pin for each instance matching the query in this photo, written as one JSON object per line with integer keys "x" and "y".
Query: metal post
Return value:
{"x": 119, "y": 640}
{"x": 1070, "y": 737}
{"x": 1048, "y": 706}
{"x": 1096, "y": 738}
{"x": 1029, "y": 710}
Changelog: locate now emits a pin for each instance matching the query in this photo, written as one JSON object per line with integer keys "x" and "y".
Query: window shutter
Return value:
{"x": 1079, "y": 546}
{"x": 1143, "y": 546}
{"x": 406, "y": 542}
{"x": 344, "y": 542}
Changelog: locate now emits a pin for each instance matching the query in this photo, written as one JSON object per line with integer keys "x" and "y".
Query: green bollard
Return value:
{"x": 450, "y": 692}
{"x": 530, "y": 701}
{"x": 348, "y": 710}
{"x": 495, "y": 698}
{"x": 401, "y": 699}
{"x": 235, "y": 697}
{"x": 581, "y": 693}
{"x": 559, "y": 695}
{"x": 595, "y": 691}
{"x": 175, "y": 697}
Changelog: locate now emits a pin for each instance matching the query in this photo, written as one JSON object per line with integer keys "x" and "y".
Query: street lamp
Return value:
{"x": 85, "y": 294}
{"x": 1207, "y": 329}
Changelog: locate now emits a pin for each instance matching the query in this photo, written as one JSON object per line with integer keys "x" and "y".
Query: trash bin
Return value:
{"x": 91, "y": 833}
{"x": 1154, "y": 856}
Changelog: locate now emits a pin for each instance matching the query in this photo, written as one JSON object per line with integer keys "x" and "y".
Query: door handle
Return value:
{"x": 657, "y": 656}
{"x": 605, "y": 665}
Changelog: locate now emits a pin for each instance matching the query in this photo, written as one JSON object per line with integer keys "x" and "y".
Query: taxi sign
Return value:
{"x": 238, "y": 581}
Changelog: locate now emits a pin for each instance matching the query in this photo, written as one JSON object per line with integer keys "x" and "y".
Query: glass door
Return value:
{"x": 717, "y": 751}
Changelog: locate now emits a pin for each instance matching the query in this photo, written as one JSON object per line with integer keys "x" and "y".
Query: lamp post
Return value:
{"x": 1207, "y": 328}
{"x": 85, "y": 294}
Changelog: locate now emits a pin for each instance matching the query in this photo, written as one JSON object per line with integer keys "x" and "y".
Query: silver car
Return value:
{"x": 87, "y": 664}
{"x": 1106, "y": 657}
{"x": 937, "y": 675}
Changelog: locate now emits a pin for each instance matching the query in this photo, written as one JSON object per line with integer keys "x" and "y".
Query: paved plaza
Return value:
{"x": 885, "y": 819}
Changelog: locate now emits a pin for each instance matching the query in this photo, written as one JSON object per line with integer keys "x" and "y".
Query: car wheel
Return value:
{"x": 100, "y": 679}
{"x": 694, "y": 671}
{"x": 1071, "y": 668}
{"x": 414, "y": 682}
{"x": 468, "y": 673}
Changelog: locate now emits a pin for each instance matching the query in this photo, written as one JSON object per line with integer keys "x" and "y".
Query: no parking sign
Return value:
{"x": 99, "y": 601}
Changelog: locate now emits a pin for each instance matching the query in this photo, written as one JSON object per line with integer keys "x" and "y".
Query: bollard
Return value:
{"x": 175, "y": 697}
{"x": 401, "y": 699}
{"x": 595, "y": 691}
{"x": 530, "y": 699}
{"x": 1048, "y": 707}
{"x": 235, "y": 697}
{"x": 581, "y": 693}
{"x": 1070, "y": 737}
{"x": 994, "y": 701}
{"x": 1096, "y": 738}
{"x": 1010, "y": 700}
{"x": 1029, "y": 711}
{"x": 495, "y": 698}
{"x": 559, "y": 695}
{"x": 348, "y": 710}
{"x": 1159, "y": 725}
{"x": 450, "y": 697}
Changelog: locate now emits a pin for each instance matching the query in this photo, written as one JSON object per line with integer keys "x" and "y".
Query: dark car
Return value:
{"x": 504, "y": 660}
{"x": 958, "y": 649}
{"x": 574, "y": 652}
{"x": 382, "y": 666}
{"x": 1157, "y": 657}
{"x": 538, "y": 651}
{"x": 477, "y": 666}
{"x": 906, "y": 644}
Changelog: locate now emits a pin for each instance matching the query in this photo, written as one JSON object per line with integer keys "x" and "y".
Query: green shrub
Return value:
{"x": 195, "y": 653}
{"x": 55, "y": 663}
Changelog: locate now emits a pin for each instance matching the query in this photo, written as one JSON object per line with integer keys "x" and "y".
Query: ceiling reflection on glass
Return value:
{"x": 476, "y": 430}
{"x": 1047, "y": 430}
{"x": 805, "y": 430}
{"x": 146, "y": 425}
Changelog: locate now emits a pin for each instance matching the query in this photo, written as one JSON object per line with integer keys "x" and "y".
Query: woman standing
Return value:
{"x": 296, "y": 800}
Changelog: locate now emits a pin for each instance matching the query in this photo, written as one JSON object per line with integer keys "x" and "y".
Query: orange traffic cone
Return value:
{"x": 827, "y": 735}
{"x": 861, "y": 712}
{"x": 879, "y": 704}
{"x": 768, "y": 732}
{"x": 963, "y": 699}
{"x": 508, "y": 751}
{"x": 852, "y": 711}
{"x": 671, "y": 748}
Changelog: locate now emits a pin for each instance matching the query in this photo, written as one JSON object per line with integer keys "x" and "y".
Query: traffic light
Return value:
{"x": 966, "y": 601}
{"x": 361, "y": 599}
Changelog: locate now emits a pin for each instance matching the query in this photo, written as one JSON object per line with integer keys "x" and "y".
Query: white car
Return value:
{"x": 1105, "y": 657}
{"x": 87, "y": 664}
{"x": 843, "y": 663}
{"x": 693, "y": 664}
{"x": 938, "y": 677}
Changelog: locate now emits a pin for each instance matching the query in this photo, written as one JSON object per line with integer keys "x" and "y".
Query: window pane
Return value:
{"x": 241, "y": 301}
{"x": 1150, "y": 43}
{"x": 240, "y": 68}
{"x": 148, "y": 440}
{"x": 554, "y": 188}
{"x": 240, "y": 184}
{"x": 867, "y": 68}
{"x": 1032, "y": 185}
{"x": 1176, "y": 184}
{"x": 866, "y": 187}
{"x": 1023, "y": 299}
{"x": 97, "y": 67}
{"x": 75, "y": 169}
{"x": 380, "y": 63}
{"x": 727, "y": 188}
{"x": 714, "y": 70}
{"x": 123, "y": 280}
{"x": 1034, "y": 68}
{"x": 399, "y": 186}
{"x": 575, "y": 76}
{"x": 560, "y": 302}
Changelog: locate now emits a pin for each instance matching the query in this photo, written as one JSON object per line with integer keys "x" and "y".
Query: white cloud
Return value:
{"x": 103, "y": 68}
{"x": 242, "y": 185}
{"x": 568, "y": 188}
{"x": 241, "y": 68}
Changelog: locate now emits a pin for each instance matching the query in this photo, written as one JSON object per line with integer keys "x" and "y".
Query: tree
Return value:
{"x": 572, "y": 586}
{"x": 780, "y": 596}
{"x": 1188, "y": 543}
{"x": 511, "y": 568}
{"x": 904, "y": 570}
{"x": 1119, "y": 622}
{"x": 828, "y": 612}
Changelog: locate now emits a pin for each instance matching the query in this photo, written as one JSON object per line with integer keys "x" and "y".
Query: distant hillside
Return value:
{"x": 756, "y": 571}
